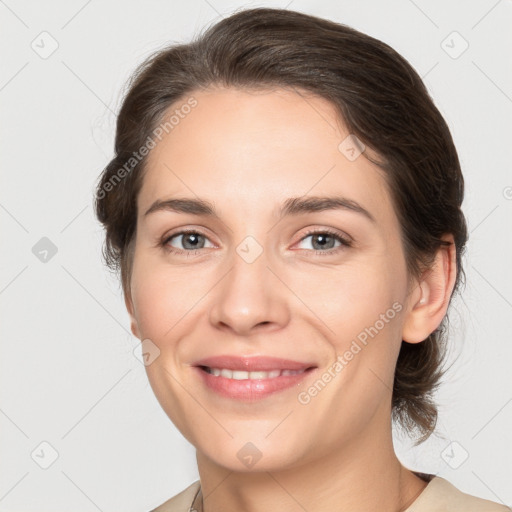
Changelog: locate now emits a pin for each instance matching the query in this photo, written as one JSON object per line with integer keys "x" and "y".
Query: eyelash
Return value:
{"x": 345, "y": 242}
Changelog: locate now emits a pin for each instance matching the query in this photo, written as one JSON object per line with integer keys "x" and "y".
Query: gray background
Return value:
{"x": 68, "y": 373}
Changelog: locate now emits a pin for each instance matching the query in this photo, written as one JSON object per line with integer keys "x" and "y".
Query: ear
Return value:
{"x": 134, "y": 327}
{"x": 430, "y": 299}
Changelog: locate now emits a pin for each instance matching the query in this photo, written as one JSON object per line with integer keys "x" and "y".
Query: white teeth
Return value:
{"x": 265, "y": 375}
{"x": 242, "y": 375}
{"x": 291, "y": 372}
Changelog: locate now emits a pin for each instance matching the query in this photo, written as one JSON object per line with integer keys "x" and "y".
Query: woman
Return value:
{"x": 284, "y": 208}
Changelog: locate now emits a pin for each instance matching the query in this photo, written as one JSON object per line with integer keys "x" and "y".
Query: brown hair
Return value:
{"x": 382, "y": 101}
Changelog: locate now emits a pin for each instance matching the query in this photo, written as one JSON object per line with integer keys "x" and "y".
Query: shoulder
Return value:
{"x": 182, "y": 502}
{"x": 442, "y": 496}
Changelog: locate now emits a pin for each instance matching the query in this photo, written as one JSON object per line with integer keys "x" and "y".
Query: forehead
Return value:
{"x": 254, "y": 149}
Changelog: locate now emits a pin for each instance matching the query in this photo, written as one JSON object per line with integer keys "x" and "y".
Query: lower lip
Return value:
{"x": 251, "y": 389}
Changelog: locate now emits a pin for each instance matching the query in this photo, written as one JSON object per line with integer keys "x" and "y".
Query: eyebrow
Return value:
{"x": 290, "y": 207}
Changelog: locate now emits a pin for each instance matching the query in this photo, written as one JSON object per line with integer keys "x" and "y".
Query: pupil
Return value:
{"x": 324, "y": 237}
{"x": 189, "y": 236}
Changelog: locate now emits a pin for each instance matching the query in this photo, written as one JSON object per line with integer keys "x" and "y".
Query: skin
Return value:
{"x": 246, "y": 152}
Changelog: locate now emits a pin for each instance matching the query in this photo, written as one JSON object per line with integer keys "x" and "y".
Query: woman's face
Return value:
{"x": 251, "y": 282}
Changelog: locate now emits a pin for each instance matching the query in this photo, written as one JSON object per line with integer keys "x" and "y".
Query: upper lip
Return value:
{"x": 254, "y": 363}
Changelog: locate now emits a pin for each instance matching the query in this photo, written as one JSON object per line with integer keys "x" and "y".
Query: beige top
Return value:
{"x": 438, "y": 496}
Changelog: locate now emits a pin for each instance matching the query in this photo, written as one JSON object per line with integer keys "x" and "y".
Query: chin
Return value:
{"x": 251, "y": 457}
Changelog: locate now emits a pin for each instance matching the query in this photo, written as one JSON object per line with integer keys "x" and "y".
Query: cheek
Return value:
{"x": 362, "y": 309}
{"x": 160, "y": 299}
{"x": 354, "y": 296}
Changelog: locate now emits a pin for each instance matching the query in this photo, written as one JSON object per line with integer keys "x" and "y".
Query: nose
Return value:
{"x": 250, "y": 298}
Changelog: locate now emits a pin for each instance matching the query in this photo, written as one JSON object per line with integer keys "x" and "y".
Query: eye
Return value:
{"x": 324, "y": 239}
{"x": 189, "y": 239}
{"x": 192, "y": 241}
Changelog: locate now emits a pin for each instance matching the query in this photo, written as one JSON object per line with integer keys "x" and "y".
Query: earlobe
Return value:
{"x": 430, "y": 300}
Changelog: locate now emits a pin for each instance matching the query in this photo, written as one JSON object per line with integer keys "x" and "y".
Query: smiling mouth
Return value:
{"x": 254, "y": 375}
{"x": 250, "y": 386}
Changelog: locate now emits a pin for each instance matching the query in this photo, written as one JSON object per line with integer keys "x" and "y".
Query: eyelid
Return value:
{"x": 200, "y": 230}
{"x": 184, "y": 231}
{"x": 345, "y": 240}
{"x": 323, "y": 229}
{"x": 313, "y": 231}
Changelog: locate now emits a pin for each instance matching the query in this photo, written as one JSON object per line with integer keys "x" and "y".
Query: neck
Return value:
{"x": 364, "y": 474}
